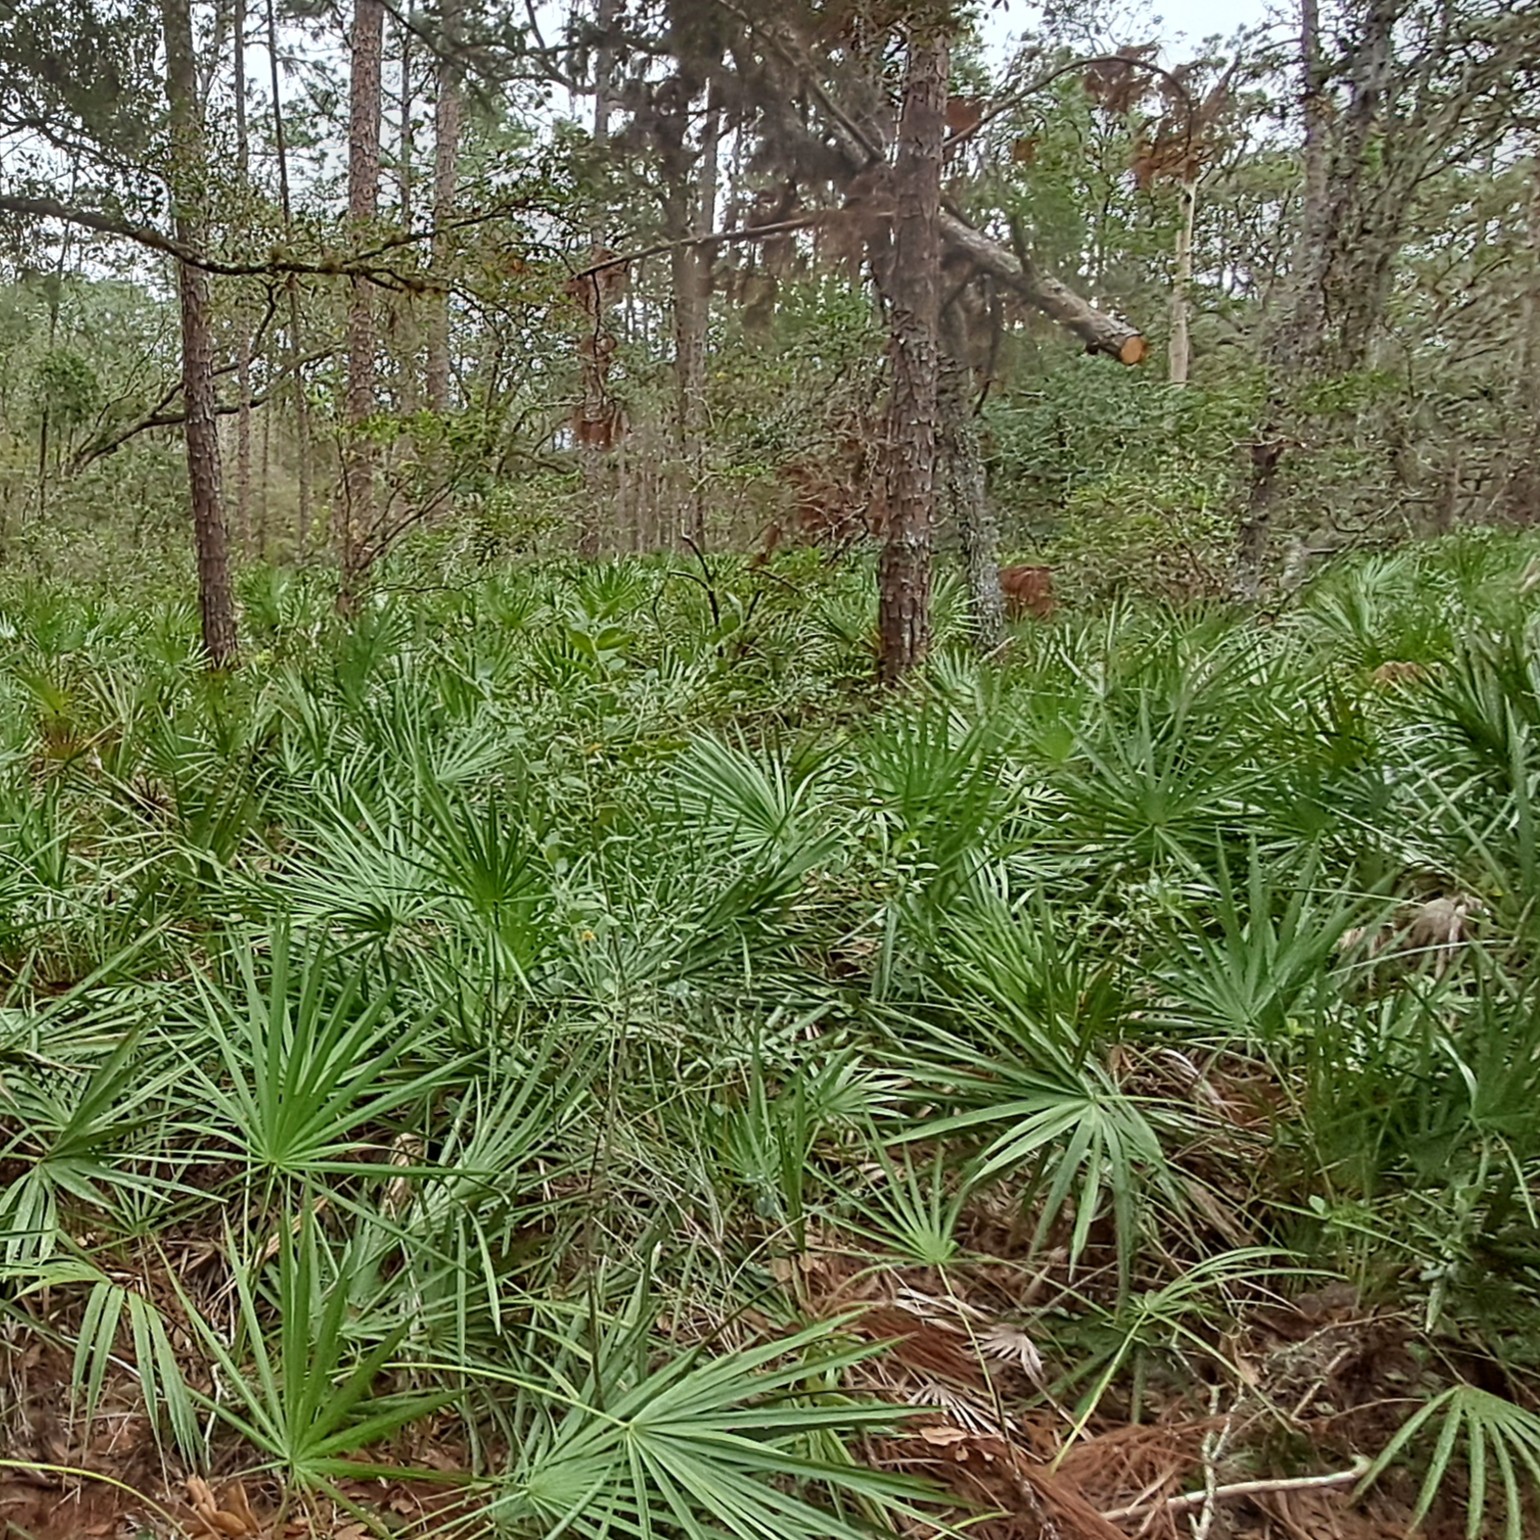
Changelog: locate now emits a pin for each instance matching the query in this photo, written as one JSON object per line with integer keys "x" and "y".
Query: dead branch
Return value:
{"x": 364, "y": 264}
{"x": 715, "y": 238}
{"x": 1190, "y": 1500}
{"x": 159, "y": 417}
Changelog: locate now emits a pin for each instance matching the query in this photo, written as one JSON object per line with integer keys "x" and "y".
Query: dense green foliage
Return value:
{"x": 526, "y": 1023}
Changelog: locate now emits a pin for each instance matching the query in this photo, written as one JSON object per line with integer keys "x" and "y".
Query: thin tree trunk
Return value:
{"x": 446, "y": 155}
{"x": 1312, "y": 259}
{"x": 912, "y": 286}
{"x": 201, "y": 431}
{"x": 689, "y": 348}
{"x": 597, "y": 471}
{"x": 1529, "y": 345}
{"x": 692, "y": 279}
{"x": 401, "y": 308}
{"x": 356, "y": 524}
{"x": 1179, "y": 359}
{"x": 1294, "y": 337}
{"x": 265, "y": 481}
{"x": 55, "y": 296}
{"x": 709, "y": 171}
{"x": 1523, "y": 489}
{"x": 291, "y": 287}
{"x": 406, "y": 189}
{"x": 243, "y": 337}
{"x": 963, "y": 490}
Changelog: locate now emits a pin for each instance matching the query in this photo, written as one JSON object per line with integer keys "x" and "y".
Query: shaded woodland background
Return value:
{"x": 507, "y": 1029}
{"x": 1320, "y": 241}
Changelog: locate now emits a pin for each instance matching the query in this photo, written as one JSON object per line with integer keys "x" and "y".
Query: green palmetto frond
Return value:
{"x": 1265, "y": 959}
{"x": 109, "y": 1303}
{"x": 311, "y": 1061}
{"x": 67, "y": 1126}
{"x": 1079, "y": 1141}
{"x": 1495, "y": 1433}
{"x": 744, "y": 1446}
{"x": 914, "y": 1213}
{"x": 303, "y": 1392}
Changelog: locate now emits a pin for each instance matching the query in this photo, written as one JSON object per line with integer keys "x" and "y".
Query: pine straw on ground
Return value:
{"x": 1276, "y": 1460}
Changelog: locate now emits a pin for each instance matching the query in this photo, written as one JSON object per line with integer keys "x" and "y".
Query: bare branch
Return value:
{"x": 364, "y": 264}
{"x": 715, "y": 238}
{"x": 1190, "y": 1500}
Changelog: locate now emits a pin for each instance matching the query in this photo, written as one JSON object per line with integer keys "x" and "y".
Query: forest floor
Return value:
{"x": 566, "y": 1055}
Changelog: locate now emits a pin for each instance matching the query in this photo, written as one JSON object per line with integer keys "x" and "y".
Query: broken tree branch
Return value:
{"x": 1101, "y": 333}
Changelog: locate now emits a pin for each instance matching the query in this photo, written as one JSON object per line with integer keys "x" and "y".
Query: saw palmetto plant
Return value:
{"x": 556, "y": 1057}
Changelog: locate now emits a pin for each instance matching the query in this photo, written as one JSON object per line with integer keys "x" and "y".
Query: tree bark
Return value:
{"x": 1179, "y": 356}
{"x": 963, "y": 494}
{"x": 1296, "y": 335}
{"x": 692, "y": 274}
{"x": 291, "y": 287}
{"x": 1360, "y": 166}
{"x": 1101, "y": 333}
{"x": 243, "y": 338}
{"x": 400, "y": 309}
{"x": 55, "y": 294}
{"x": 597, "y": 471}
{"x": 689, "y": 348}
{"x": 189, "y": 174}
{"x": 357, "y": 520}
{"x": 1305, "y": 325}
{"x": 911, "y": 283}
{"x": 1522, "y": 493}
{"x": 265, "y": 485}
{"x": 446, "y": 156}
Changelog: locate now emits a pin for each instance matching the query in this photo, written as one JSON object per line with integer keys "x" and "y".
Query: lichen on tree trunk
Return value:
{"x": 963, "y": 494}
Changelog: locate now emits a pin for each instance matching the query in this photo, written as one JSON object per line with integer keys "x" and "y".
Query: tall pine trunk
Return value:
{"x": 400, "y": 309}
{"x": 291, "y": 288}
{"x": 243, "y": 336}
{"x": 356, "y": 524}
{"x": 189, "y": 176}
{"x": 689, "y": 353}
{"x": 446, "y": 156}
{"x": 598, "y": 466}
{"x": 692, "y": 281}
{"x": 909, "y": 273}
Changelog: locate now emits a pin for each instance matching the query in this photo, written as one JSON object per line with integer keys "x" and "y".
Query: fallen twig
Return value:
{"x": 1190, "y": 1500}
